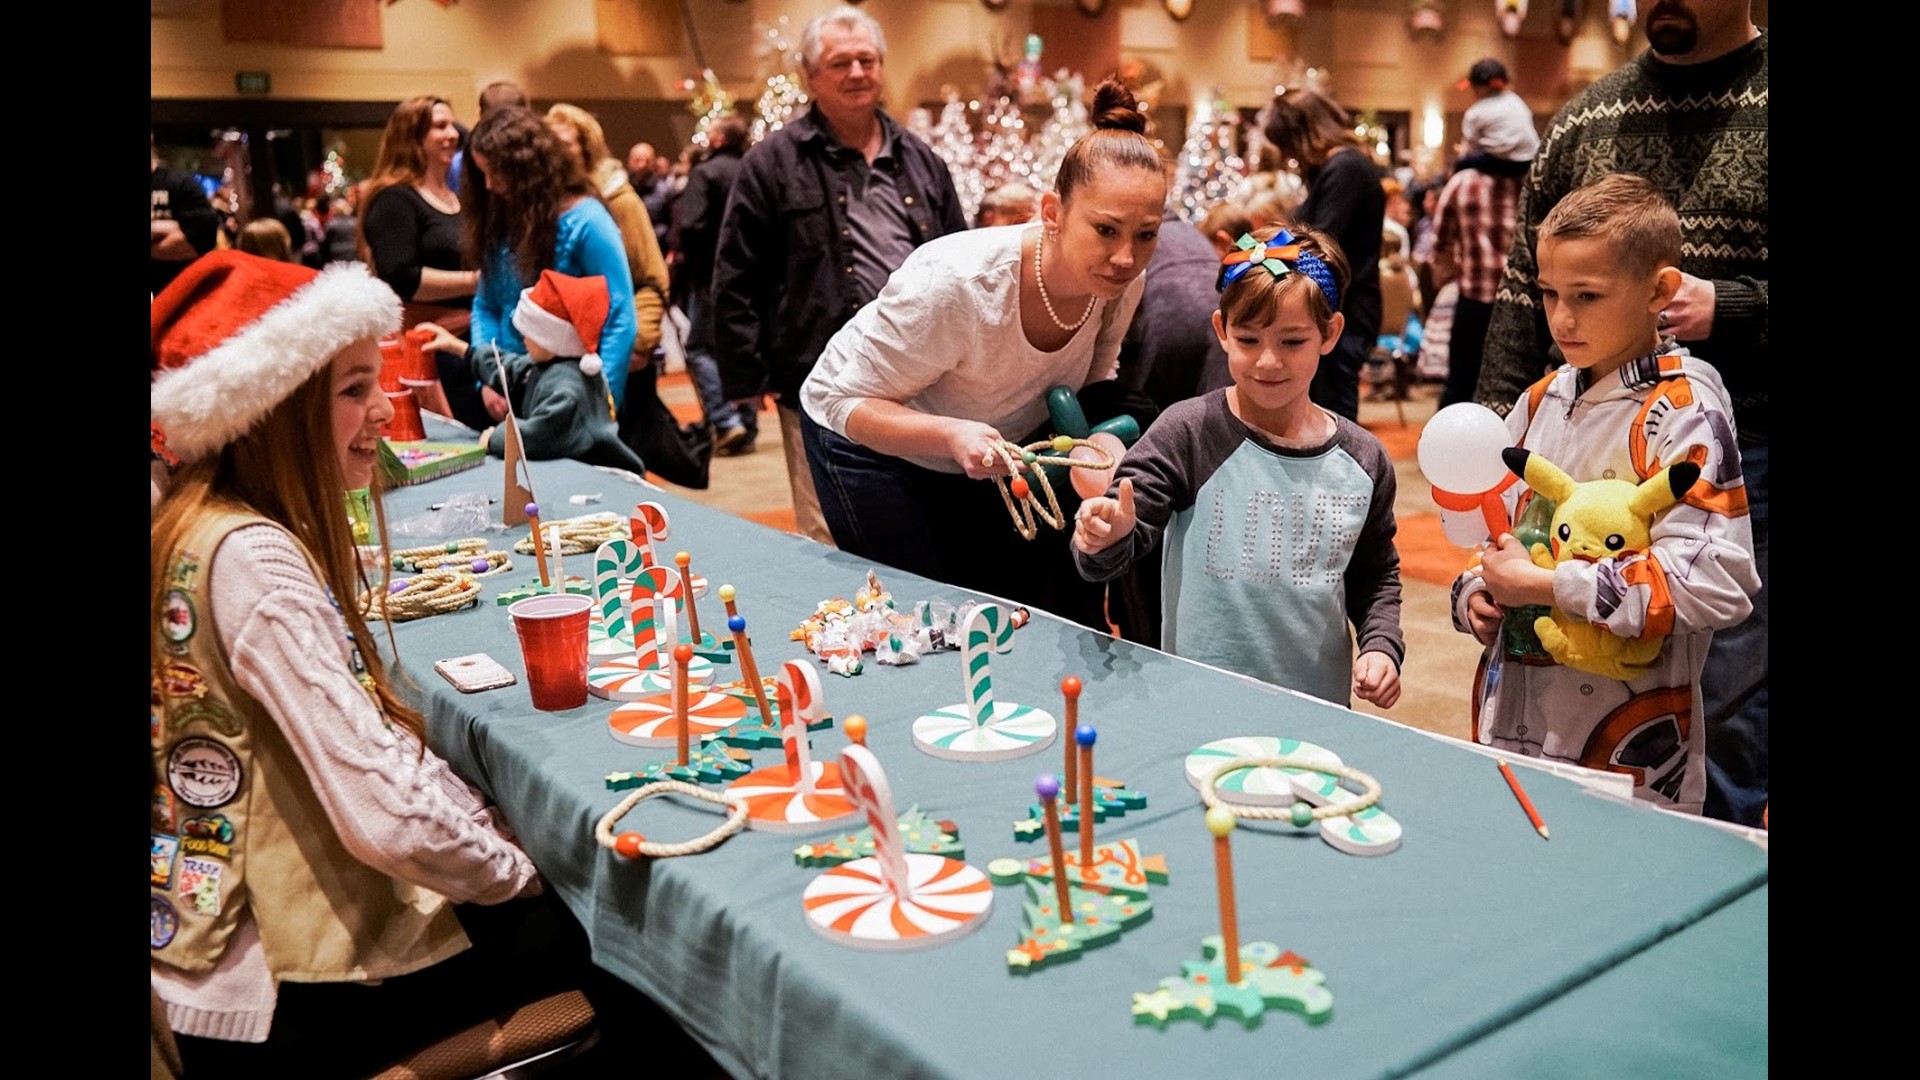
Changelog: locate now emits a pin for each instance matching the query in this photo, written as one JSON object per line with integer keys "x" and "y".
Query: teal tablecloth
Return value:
{"x": 1476, "y": 949}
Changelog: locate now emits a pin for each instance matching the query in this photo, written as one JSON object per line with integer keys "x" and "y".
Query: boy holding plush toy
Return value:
{"x": 1650, "y": 549}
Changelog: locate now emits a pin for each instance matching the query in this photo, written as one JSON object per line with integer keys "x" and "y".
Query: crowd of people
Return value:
{"x": 1607, "y": 292}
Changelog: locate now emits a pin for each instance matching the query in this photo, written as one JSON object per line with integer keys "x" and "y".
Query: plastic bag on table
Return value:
{"x": 461, "y": 515}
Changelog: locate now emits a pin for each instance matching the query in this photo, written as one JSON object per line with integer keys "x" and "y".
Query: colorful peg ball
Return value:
{"x": 479, "y": 566}
{"x": 1028, "y": 457}
{"x": 1047, "y": 787}
{"x": 856, "y": 728}
{"x": 1062, "y": 443}
{"x": 398, "y": 585}
{"x": 533, "y": 509}
{"x": 1220, "y": 821}
{"x": 737, "y": 623}
{"x": 1301, "y": 815}
{"x": 1070, "y": 686}
{"x": 627, "y": 845}
{"x": 452, "y": 548}
{"x": 683, "y": 653}
{"x": 1085, "y": 735}
{"x": 1020, "y": 488}
{"x": 726, "y": 592}
{"x": 681, "y": 559}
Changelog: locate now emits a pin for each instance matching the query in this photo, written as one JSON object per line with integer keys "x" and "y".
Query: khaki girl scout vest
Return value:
{"x": 236, "y": 824}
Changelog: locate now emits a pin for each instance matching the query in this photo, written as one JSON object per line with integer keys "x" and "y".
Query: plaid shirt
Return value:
{"x": 1473, "y": 228}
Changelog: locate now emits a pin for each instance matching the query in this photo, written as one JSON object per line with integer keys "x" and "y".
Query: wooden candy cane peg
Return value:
{"x": 1048, "y": 788}
{"x": 1220, "y": 824}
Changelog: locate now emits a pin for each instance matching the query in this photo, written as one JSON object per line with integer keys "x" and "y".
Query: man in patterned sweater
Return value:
{"x": 1691, "y": 116}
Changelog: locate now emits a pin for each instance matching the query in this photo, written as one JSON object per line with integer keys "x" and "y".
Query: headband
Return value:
{"x": 1279, "y": 256}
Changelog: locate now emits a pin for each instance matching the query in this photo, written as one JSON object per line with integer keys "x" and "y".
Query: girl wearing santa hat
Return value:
{"x": 305, "y": 843}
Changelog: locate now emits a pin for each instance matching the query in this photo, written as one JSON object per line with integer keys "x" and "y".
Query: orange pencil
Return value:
{"x": 1526, "y": 804}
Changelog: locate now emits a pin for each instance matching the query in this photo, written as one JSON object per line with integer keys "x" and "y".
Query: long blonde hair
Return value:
{"x": 273, "y": 471}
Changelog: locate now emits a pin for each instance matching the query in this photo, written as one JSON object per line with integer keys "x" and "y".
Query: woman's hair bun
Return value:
{"x": 1114, "y": 107}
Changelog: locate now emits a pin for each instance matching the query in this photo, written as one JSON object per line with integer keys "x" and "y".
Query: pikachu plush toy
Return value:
{"x": 1599, "y": 519}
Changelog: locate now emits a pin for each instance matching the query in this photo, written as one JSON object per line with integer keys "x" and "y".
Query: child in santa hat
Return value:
{"x": 557, "y": 391}
{"x": 301, "y": 831}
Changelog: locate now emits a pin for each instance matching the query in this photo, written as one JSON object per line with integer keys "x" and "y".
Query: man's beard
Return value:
{"x": 1671, "y": 29}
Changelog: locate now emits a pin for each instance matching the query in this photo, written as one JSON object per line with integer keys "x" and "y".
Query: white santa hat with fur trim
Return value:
{"x": 564, "y": 314}
{"x": 235, "y": 334}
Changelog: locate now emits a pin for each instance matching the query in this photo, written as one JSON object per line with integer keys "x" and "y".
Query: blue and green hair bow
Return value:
{"x": 1279, "y": 256}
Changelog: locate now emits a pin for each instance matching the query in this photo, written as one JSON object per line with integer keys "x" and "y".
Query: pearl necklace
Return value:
{"x": 1039, "y": 252}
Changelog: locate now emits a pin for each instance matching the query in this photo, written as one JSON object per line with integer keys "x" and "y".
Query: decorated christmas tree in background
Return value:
{"x": 782, "y": 98}
{"x": 1208, "y": 169}
{"x": 710, "y": 102}
{"x": 1067, "y": 94}
{"x": 1001, "y": 153}
{"x": 951, "y": 137}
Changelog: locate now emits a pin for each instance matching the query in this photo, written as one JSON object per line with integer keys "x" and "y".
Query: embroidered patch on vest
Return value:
{"x": 186, "y": 569}
{"x": 162, "y": 811}
{"x": 199, "y": 887}
{"x": 161, "y": 855}
{"x": 209, "y": 835}
{"x": 183, "y": 680}
{"x": 177, "y": 619}
{"x": 211, "y": 712}
{"x": 162, "y": 922}
{"x": 203, "y": 772}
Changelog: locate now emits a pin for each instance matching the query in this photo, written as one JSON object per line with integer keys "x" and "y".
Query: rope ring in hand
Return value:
{"x": 1301, "y": 814}
{"x": 631, "y": 845}
{"x": 1017, "y": 492}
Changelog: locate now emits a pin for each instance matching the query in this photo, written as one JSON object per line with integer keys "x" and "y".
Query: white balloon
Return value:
{"x": 1464, "y": 527}
{"x": 1460, "y": 448}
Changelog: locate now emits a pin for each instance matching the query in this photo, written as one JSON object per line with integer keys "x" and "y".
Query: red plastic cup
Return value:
{"x": 405, "y": 426}
{"x": 553, "y": 648}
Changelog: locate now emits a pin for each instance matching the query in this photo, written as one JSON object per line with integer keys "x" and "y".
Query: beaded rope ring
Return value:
{"x": 470, "y": 555}
{"x": 435, "y": 592}
{"x": 1015, "y": 490}
{"x": 1301, "y": 814}
{"x": 580, "y": 535}
{"x": 632, "y": 845}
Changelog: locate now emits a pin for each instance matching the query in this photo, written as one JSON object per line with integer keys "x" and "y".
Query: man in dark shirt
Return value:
{"x": 183, "y": 223}
{"x": 823, "y": 211}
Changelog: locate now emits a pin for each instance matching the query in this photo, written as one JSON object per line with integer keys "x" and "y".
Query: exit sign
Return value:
{"x": 252, "y": 82}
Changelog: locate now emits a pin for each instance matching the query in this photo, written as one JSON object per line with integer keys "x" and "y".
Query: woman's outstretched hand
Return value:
{"x": 977, "y": 449}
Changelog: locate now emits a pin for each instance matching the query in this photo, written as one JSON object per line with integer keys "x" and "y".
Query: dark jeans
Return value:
{"x": 946, "y": 527}
{"x": 1465, "y": 347}
{"x": 705, "y": 371}
{"x": 1734, "y": 683}
{"x": 1336, "y": 384}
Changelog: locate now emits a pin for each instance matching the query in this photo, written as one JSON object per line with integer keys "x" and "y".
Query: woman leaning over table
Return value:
{"x": 307, "y": 850}
{"x": 531, "y": 207}
{"x": 410, "y": 234}
{"x": 910, "y": 403}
